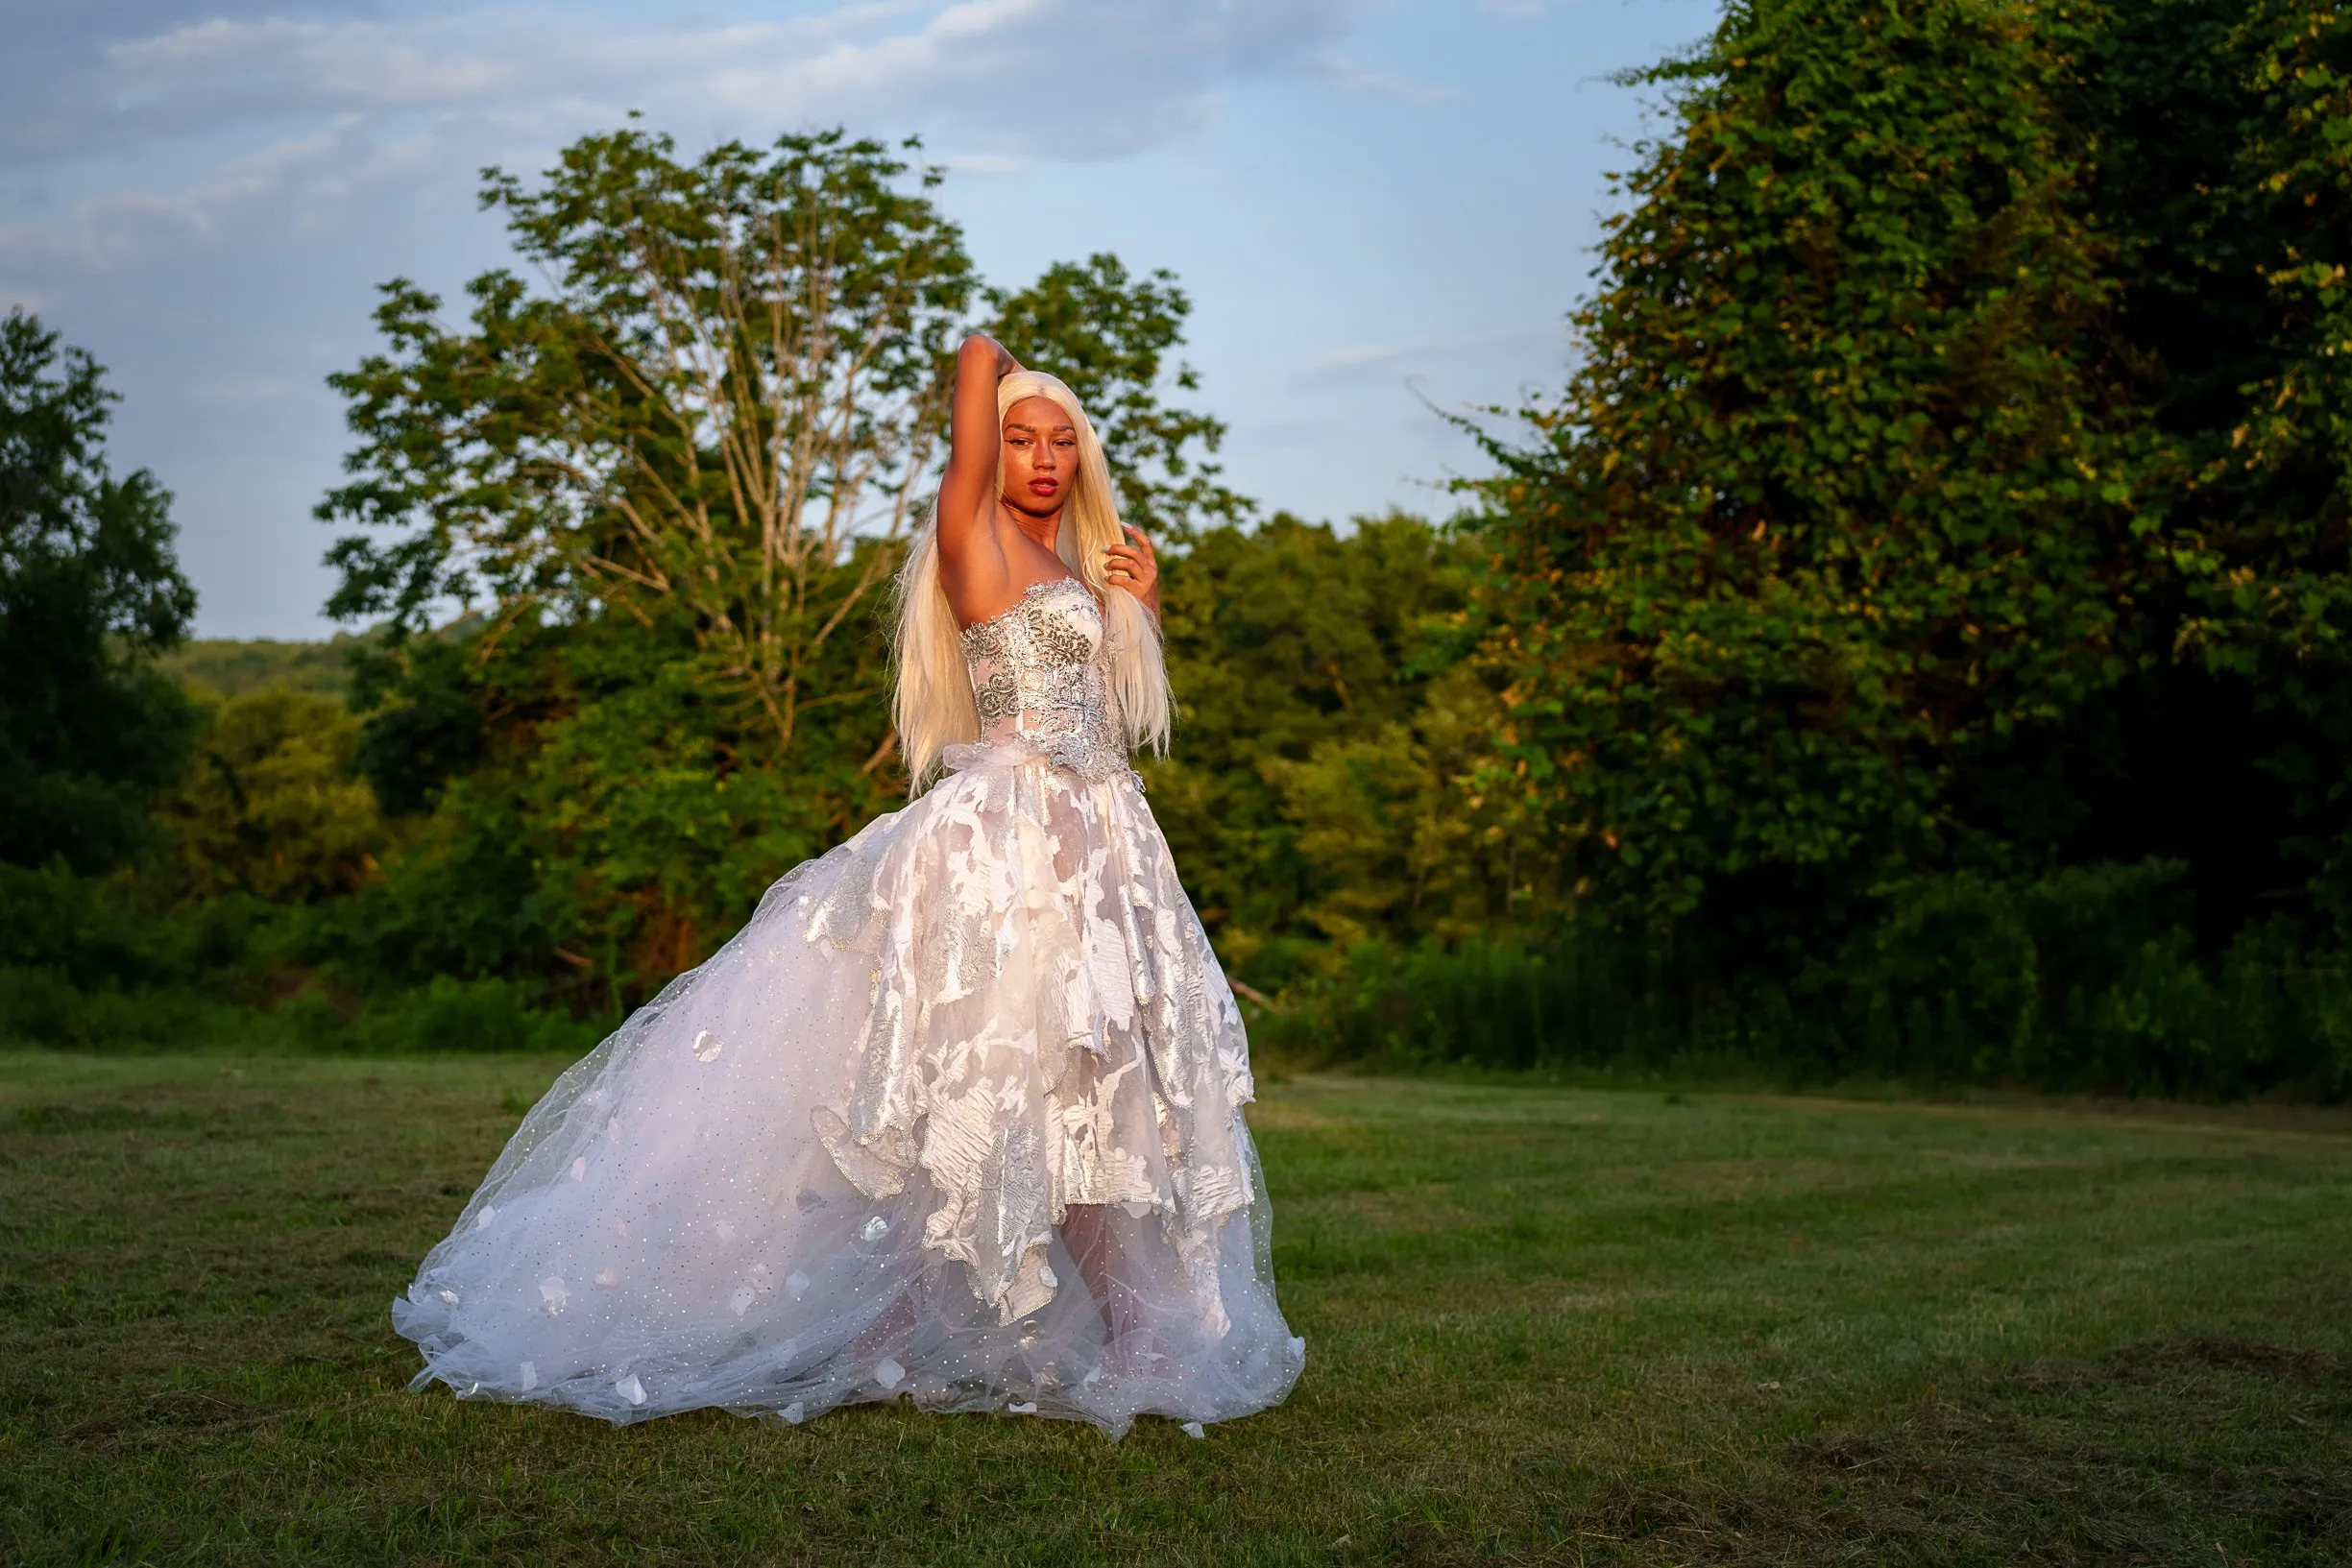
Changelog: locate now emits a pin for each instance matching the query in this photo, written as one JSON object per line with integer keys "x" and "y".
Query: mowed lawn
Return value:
{"x": 1543, "y": 1325}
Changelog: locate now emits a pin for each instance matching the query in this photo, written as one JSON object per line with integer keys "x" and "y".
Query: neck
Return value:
{"x": 1046, "y": 530}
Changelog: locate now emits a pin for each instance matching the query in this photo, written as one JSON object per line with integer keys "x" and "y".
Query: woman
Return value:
{"x": 958, "y": 1115}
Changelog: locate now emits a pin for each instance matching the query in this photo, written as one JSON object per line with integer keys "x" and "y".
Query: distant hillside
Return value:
{"x": 228, "y": 666}
{"x": 225, "y": 666}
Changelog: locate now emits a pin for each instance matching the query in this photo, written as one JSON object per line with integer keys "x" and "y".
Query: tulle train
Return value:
{"x": 956, "y": 1116}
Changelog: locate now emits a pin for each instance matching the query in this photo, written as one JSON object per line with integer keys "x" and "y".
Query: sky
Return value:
{"x": 1383, "y": 210}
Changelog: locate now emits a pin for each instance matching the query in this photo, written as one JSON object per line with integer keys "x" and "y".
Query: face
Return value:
{"x": 1040, "y": 456}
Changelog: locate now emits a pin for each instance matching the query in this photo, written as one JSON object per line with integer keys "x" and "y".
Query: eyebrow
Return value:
{"x": 1071, "y": 428}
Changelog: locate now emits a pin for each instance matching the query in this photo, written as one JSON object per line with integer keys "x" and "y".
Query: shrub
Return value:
{"x": 2088, "y": 980}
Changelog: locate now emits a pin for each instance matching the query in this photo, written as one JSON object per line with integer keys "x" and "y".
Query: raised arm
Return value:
{"x": 973, "y": 566}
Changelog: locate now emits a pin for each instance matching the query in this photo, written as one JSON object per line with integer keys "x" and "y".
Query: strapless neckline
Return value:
{"x": 1036, "y": 590}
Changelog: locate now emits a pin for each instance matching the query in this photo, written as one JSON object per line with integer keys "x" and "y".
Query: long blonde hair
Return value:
{"x": 934, "y": 707}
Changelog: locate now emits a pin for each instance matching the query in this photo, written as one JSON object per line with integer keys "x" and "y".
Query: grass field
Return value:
{"x": 1543, "y": 1325}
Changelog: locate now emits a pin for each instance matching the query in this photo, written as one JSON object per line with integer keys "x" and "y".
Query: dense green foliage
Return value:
{"x": 2086, "y": 979}
{"x": 2227, "y": 192}
{"x": 89, "y": 592}
{"x": 269, "y": 804}
{"x": 231, "y": 666}
{"x": 1325, "y": 715}
{"x": 1821, "y": 529}
{"x": 1945, "y": 523}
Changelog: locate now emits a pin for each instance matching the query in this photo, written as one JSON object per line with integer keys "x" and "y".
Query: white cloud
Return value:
{"x": 113, "y": 232}
{"x": 1073, "y": 78}
{"x": 1367, "y": 364}
{"x": 1338, "y": 71}
{"x": 207, "y": 200}
{"x": 987, "y": 165}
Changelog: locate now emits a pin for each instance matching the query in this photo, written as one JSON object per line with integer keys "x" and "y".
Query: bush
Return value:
{"x": 87, "y": 970}
{"x": 449, "y": 1014}
{"x": 2085, "y": 981}
{"x": 41, "y": 1008}
{"x": 1489, "y": 1004}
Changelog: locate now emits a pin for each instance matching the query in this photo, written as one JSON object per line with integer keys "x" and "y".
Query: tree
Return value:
{"x": 734, "y": 379}
{"x": 269, "y": 804}
{"x": 2227, "y": 180}
{"x": 1323, "y": 719}
{"x": 1837, "y": 511}
{"x": 90, "y": 590}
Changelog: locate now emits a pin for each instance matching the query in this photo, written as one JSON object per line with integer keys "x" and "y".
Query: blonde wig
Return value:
{"x": 934, "y": 707}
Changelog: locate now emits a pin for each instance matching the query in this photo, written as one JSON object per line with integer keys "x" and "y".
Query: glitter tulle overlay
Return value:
{"x": 956, "y": 1116}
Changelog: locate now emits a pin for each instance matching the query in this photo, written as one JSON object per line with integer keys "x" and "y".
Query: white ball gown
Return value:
{"x": 955, "y": 1117}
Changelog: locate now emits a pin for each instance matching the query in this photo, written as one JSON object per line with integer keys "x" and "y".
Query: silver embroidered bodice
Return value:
{"x": 1041, "y": 677}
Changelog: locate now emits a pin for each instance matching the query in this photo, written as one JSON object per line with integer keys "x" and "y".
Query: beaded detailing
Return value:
{"x": 1040, "y": 677}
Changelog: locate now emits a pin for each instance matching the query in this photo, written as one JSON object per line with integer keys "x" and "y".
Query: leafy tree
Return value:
{"x": 269, "y": 805}
{"x": 1833, "y": 514}
{"x": 2225, "y": 178}
{"x": 232, "y": 667}
{"x": 2271, "y": 482}
{"x": 1398, "y": 849}
{"x": 585, "y": 809}
{"x": 90, "y": 590}
{"x": 675, "y": 477}
{"x": 2273, "y": 586}
{"x": 735, "y": 378}
{"x": 1319, "y": 725}
{"x": 1947, "y": 526}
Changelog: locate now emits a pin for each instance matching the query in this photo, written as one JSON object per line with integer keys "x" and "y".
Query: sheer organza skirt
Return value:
{"x": 955, "y": 1117}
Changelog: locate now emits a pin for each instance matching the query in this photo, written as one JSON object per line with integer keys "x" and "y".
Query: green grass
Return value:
{"x": 1543, "y": 1325}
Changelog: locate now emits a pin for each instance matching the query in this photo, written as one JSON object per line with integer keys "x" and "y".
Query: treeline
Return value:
{"x": 1912, "y": 643}
{"x": 438, "y": 861}
{"x": 672, "y": 487}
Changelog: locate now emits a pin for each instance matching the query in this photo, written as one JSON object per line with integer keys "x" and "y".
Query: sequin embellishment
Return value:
{"x": 1041, "y": 673}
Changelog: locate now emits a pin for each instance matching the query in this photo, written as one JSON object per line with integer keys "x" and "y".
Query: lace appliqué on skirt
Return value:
{"x": 1044, "y": 1029}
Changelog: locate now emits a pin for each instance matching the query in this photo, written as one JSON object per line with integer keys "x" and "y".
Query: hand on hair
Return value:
{"x": 1133, "y": 566}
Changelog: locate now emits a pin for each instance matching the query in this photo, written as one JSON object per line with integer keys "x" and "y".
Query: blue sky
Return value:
{"x": 1375, "y": 207}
